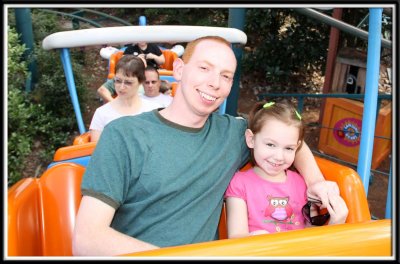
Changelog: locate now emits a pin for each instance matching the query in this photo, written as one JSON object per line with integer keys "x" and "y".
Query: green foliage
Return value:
{"x": 283, "y": 43}
{"x": 359, "y": 17}
{"x": 43, "y": 117}
{"x": 187, "y": 16}
{"x": 44, "y": 24}
{"x": 52, "y": 90}
{"x": 17, "y": 68}
{"x": 18, "y": 145}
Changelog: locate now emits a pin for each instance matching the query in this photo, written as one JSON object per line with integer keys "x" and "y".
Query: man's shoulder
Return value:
{"x": 228, "y": 118}
{"x": 132, "y": 121}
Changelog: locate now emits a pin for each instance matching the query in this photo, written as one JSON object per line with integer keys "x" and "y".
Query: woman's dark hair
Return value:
{"x": 131, "y": 66}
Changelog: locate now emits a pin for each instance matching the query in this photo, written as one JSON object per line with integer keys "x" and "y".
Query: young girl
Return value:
{"x": 269, "y": 197}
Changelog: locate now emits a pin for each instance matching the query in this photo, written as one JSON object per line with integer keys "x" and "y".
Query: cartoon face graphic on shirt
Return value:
{"x": 278, "y": 208}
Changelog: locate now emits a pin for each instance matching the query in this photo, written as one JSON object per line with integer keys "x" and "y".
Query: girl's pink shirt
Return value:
{"x": 260, "y": 195}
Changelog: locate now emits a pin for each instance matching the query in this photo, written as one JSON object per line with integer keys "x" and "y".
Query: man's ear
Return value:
{"x": 178, "y": 68}
{"x": 249, "y": 138}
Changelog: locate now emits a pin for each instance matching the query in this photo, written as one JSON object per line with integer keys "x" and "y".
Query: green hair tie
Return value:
{"x": 269, "y": 104}
{"x": 297, "y": 114}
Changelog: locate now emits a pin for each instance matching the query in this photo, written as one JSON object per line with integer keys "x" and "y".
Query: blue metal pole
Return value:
{"x": 69, "y": 75}
{"x": 388, "y": 212}
{"x": 236, "y": 20}
{"x": 142, "y": 21}
{"x": 371, "y": 96}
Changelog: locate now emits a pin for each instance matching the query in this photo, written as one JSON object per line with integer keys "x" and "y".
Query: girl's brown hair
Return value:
{"x": 283, "y": 111}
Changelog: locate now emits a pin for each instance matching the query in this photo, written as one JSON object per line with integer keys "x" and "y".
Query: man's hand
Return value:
{"x": 323, "y": 191}
{"x": 328, "y": 193}
{"x": 338, "y": 210}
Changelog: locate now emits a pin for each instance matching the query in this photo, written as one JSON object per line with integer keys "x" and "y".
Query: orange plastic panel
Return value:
{"x": 372, "y": 238}
{"x": 222, "y": 228}
{"x": 60, "y": 199}
{"x": 74, "y": 151}
{"x": 347, "y": 114}
{"x": 113, "y": 62}
{"x": 170, "y": 56}
{"x": 174, "y": 87}
{"x": 351, "y": 189}
{"x": 82, "y": 139}
{"x": 165, "y": 72}
{"x": 24, "y": 219}
{"x": 166, "y": 68}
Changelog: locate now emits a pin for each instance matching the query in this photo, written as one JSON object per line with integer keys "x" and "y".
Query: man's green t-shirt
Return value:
{"x": 166, "y": 181}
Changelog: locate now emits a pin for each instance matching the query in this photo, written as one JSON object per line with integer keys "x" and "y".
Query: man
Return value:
{"x": 152, "y": 86}
{"x": 158, "y": 179}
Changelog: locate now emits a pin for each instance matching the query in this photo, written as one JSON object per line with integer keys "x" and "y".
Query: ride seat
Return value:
{"x": 60, "y": 197}
{"x": 24, "y": 219}
{"x": 114, "y": 58}
{"x": 169, "y": 56}
{"x": 82, "y": 139}
{"x": 165, "y": 69}
{"x": 41, "y": 212}
{"x": 76, "y": 150}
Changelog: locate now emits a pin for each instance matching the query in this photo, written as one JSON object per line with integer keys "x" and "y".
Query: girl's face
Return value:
{"x": 125, "y": 86}
{"x": 274, "y": 146}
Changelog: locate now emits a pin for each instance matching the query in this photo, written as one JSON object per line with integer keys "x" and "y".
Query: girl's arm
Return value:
{"x": 236, "y": 214}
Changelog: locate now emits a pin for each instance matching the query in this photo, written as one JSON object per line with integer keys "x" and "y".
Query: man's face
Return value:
{"x": 206, "y": 79}
{"x": 151, "y": 84}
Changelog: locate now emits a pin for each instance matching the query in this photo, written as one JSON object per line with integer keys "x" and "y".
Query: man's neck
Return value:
{"x": 183, "y": 118}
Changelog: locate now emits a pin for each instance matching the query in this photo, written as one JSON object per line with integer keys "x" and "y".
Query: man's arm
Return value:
{"x": 307, "y": 166}
{"x": 93, "y": 235}
{"x": 105, "y": 94}
{"x": 305, "y": 163}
